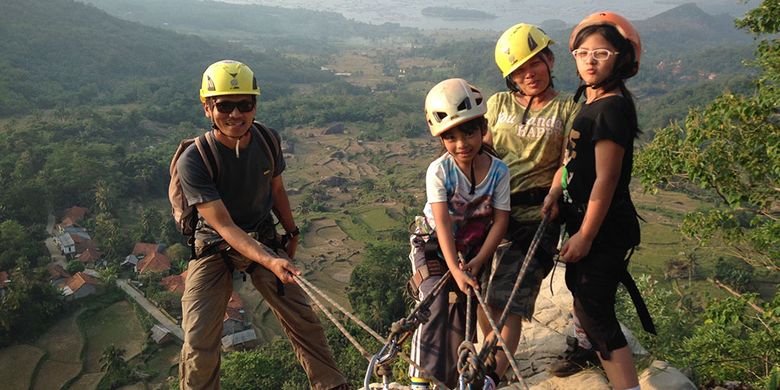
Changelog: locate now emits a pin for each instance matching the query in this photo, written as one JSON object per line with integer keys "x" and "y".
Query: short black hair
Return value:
{"x": 478, "y": 124}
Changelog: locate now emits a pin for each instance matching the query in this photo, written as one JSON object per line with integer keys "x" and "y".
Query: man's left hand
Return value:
{"x": 292, "y": 246}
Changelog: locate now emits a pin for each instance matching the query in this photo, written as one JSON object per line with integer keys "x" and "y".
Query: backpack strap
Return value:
{"x": 209, "y": 155}
{"x": 269, "y": 141}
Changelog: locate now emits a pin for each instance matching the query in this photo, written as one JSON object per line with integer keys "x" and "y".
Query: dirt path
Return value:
{"x": 151, "y": 309}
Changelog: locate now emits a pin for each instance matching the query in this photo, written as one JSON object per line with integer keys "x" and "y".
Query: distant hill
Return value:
{"x": 62, "y": 52}
{"x": 252, "y": 25}
{"x": 687, "y": 27}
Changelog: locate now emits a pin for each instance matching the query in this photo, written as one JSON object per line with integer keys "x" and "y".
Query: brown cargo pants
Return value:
{"x": 207, "y": 290}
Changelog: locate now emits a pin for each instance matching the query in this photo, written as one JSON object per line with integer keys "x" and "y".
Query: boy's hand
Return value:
{"x": 473, "y": 266}
{"x": 464, "y": 281}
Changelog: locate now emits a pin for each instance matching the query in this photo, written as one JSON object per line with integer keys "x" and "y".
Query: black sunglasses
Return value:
{"x": 226, "y": 107}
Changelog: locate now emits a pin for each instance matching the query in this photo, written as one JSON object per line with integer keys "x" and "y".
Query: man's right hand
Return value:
{"x": 283, "y": 269}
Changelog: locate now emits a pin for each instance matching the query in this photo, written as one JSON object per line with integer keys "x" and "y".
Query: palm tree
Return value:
{"x": 112, "y": 359}
{"x": 109, "y": 274}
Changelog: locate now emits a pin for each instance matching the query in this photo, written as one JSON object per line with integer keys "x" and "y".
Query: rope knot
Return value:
{"x": 470, "y": 367}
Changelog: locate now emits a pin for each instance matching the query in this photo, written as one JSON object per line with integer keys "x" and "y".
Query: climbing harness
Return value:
{"x": 472, "y": 365}
{"x": 399, "y": 332}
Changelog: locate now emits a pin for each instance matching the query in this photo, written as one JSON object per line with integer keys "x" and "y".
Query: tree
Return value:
{"x": 17, "y": 244}
{"x": 107, "y": 234}
{"x": 109, "y": 274}
{"x": 167, "y": 229}
{"x": 735, "y": 342}
{"x": 74, "y": 266}
{"x": 144, "y": 231}
{"x": 376, "y": 287}
{"x": 28, "y": 307}
{"x": 732, "y": 149}
{"x": 103, "y": 196}
{"x": 270, "y": 367}
{"x": 112, "y": 359}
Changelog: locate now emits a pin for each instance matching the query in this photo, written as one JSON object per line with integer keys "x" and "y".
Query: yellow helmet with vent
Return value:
{"x": 228, "y": 77}
{"x": 519, "y": 44}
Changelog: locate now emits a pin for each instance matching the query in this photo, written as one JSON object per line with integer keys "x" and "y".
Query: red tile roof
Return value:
{"x": 144, "y": 248}
{"x": 235, "y": 301}
{"x": 56, "y": 271}
{"x": 90, "y": 255}
{"x": 156, "y": 262}
{"x": 73, "y": 215}
{"x": 82, "y": 244}
{"x": 234, "y": 308}
{"x": 175, "y": 283}
{"x": 80, "y": 279}
{"x": 233, "y": 314}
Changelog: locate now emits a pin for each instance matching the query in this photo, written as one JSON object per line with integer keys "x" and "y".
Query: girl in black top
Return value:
{"x": 600, "y": 217}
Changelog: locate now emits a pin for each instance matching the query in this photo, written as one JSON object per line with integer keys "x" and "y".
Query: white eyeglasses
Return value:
{"x": 598, "y": 54}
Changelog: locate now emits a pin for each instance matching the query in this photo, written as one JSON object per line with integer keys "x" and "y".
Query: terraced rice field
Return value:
{"x": 63, "y": 344}
{"x": 17, "y": 366}
{"x": 117, "y": 325}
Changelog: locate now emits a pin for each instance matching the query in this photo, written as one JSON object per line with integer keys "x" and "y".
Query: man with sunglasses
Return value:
{"x": 236, "y": 231}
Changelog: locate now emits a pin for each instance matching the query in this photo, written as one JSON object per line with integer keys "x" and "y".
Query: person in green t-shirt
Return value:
{"x": 529, "y": 125}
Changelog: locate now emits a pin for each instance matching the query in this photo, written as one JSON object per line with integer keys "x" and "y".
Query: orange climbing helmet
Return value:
{"x": 623, "y": 26}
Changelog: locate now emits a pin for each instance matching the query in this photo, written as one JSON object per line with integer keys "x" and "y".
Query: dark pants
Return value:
{"x": 593, "y": 283}
{"x": 435, "y": 343}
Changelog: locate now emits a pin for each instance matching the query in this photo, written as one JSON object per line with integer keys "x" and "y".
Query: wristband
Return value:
{"x": 293, "y": 233}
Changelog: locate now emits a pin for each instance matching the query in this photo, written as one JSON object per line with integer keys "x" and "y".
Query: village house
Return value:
{"x": 246, "y": 339}
{"x": 237, "y": 332}
{"x": 71, "y": 238}
{"x": 66, "y": 244}
{"x": 58, "y": 277}
{"x": 71, "y": 218}
{"x": 234, "y": 316}
{"x": 175, "y": 283}
{"x": 80, "y": 285}
{"x": 148, "y": 257}
{"x": 90, "y": 257}
{"x": 161, "y": 334}
{"x": 156, "y": 262}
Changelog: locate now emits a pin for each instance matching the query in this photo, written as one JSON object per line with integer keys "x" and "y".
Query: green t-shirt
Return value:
{"x": 532, "y": 151}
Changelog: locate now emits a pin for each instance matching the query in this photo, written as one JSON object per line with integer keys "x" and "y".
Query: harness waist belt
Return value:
{"x": 430, "y": 268}
{"x": 532, "y": 197}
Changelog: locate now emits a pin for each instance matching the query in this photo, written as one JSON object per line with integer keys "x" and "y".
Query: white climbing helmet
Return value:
{"x": 452, "y": 102}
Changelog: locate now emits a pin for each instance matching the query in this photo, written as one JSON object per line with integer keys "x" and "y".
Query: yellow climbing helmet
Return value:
{"x": 519, "y": 44}
{"x": 452, "y": 102}
{"x": 228, "y": 77}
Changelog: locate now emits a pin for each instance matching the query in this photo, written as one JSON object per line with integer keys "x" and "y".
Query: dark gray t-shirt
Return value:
{"x": 243, "y": 184}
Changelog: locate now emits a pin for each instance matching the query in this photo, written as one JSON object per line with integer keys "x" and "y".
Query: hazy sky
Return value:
{"x": 508, "y": 12}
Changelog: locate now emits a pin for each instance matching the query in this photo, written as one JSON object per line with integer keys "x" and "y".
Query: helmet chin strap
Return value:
{"x": 611, "y": 82}
{"x": 474, "y": 176}
{"x": 237, "y": 138}
{"x": 608, "y": 82}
